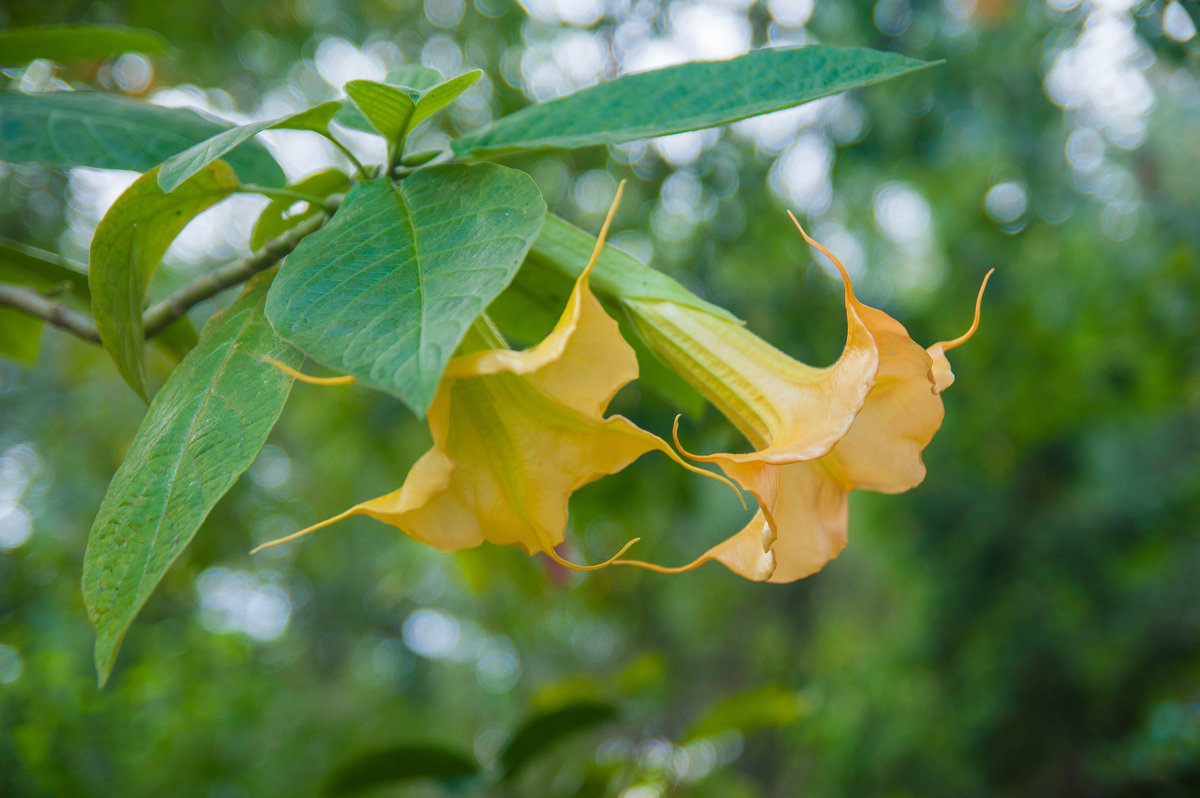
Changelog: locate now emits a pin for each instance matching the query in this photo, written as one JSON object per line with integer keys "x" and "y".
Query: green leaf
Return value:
{"x": 438, "y": 97}
{"x": 203, "y": 429}
{"x": 277, "y": 218}
{"x": 67, "y": 129}
{"x": 398, "y": 764}
{"x": 414, "y": 76}
{"x": 129, "y": 243}
{"x": 20, "y": 336}
{"x": 761, "y": 708}
{"x": 76, "y": 42}
{"x": 687, "y": 97}
{"x": 387, "y": 108}
{"x": 540, "y": 732}
{"x": 179, "y": 167}
{"x": 386, "y": 290}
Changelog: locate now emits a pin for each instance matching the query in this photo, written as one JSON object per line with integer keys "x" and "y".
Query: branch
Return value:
{"x": 159, "y": 316}
{"x": 32, "y": 303}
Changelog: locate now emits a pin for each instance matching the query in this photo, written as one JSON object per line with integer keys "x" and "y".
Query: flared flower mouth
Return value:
{"x": 515, "y": 433}
{"x": 819, "y": 433}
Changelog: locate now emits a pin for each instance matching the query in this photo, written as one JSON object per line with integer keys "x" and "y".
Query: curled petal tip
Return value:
{"x": 962, "y": 339}
{"x": 302, "y": 532}
{"x": 552, "y": 554}
{"x": 702, "y": 458}
{"x": 302, "y": 377}
{"x": 612, "y": 211}
{"x": 826, "y": 253}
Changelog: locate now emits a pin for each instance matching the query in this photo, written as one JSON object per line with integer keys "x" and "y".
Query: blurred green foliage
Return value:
{"x": 1024, "y": 623}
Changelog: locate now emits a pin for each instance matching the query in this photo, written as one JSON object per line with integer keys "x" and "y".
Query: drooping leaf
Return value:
{"x": 76, "y": 42}
{"x": 397, "y": 765}
{"x": 182, "y": 165}
{"x": 542, "y": 731}
{"x": 20, "y": 336}
{"x": 386, "y": 290}
{"x": 760, "y": 708}
{"x": 203, "y": 429}
{"x": 129, "y": 243}
{"x": 67, "y": 129}
{"x": 687, "y": 97}
{"x": 278, "y": 217}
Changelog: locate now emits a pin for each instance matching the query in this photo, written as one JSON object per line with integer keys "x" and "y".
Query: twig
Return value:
{"x": 32, "y": 303}
{"x": 158, "y": 316}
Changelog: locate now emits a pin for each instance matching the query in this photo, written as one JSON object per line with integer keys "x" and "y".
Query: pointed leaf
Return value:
{"x": 414, "y": 76}
{"x": 66, "y": 129}
{"x": 203, "y": 429}
{"x": 129, "y": 242}
{"x": 276, "y": 219}
{"x": 182, "y": 165}
{"x": 386, "y": 290}
{"x": 76, "y": 42}
{"x": 687, "y": 97}
{"x": 539, "y": 733}
{"x": 399, "y": 764}
{"x": 441, "y": 95}
{"x": 387, "y": 108}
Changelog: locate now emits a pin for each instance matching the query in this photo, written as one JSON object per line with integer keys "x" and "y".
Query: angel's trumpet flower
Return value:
{"x": 515, "y": 433}
{"x": 818, "y": 432}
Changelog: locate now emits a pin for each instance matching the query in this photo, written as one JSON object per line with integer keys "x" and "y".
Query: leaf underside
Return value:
{"x": 203, "y": 429}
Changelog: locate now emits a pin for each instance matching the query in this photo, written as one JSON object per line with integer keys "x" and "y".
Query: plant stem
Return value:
{"x": 362, "y": 171}
{"x": 32, "y": 303}
{"x": 267, "y": 191}
{"x": 160, "y": 315}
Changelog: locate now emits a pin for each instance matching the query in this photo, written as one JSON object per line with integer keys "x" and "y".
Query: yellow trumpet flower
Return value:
{"x": 818, "y": 433}
{"x": 515, "y": 433}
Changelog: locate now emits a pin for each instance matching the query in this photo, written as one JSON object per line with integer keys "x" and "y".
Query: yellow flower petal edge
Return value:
{"x": 516, "y": 433}
{"x": 820, "y": 433}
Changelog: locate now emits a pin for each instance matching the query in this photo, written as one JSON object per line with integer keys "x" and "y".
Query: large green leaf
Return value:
{"x": 397, "y": 765}
{"x": 540, "y": 732}
{"x": 71, "y": 128}
{"x": 203, "y": 429}
{"x": 75, "y": 42}
{"x": 180, "y": 166}
{"x": 129, "y": 243}
{"x": 687, "y": 97}
{"x": 386, "y": 290}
